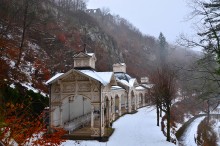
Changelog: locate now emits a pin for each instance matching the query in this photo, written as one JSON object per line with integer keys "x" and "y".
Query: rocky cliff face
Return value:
{"x": 138, "y": 51}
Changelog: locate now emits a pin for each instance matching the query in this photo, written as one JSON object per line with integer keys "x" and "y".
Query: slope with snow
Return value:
{"x": 188, "y": 138}
{"x": 132, "y": 130}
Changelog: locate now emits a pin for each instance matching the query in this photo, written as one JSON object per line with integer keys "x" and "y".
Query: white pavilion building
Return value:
{"x": 84, "y": 97}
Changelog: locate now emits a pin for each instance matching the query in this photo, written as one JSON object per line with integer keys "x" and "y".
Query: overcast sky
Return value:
{"x": 151, "y": 16}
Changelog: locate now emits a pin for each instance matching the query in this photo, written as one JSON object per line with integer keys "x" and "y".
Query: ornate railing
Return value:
{"x": 78, "y": 122}
{"x": 95, "y": 132}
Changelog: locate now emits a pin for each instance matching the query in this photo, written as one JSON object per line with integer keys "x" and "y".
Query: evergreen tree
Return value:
{"x": 163, "y": 49}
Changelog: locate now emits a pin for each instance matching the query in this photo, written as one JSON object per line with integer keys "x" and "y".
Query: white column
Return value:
{"x": 129, "y": 103}
{"x": 119, "y": 106}
{"x": 61, "y": 110}
{"x": 109, "y": 112}
{"x": 61, "y": 116}
{"x": 92, "y": 116}
{"x": 70, "y": 107}
{"x": 143, "y": 99}
{"x": 51, "y": 113}
{"x": 113, "y": 109}
{"x": 135, "y": 102}
{"x": 102, "y": 120}
{"x": 138, "y": 101}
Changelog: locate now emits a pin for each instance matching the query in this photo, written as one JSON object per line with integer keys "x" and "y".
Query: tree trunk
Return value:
{"x": 23, "y": 33}
{"x": 168, "y": 122}
{"x": 208, "y": 112}
{"x": 160, "y": 111}
{"x": 158, "y": 118}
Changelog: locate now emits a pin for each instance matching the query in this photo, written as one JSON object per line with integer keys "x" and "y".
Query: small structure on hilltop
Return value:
{"x": 83, "y": 97}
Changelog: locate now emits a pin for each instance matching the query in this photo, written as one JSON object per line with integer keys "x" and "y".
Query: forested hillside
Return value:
{"x": 40, "y": 38}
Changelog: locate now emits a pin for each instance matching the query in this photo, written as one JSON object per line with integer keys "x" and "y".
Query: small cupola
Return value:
{"x": 119, "y": 67}
{"x": 84, "y": 60}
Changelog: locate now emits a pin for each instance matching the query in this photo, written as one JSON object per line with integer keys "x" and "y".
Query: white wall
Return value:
{"x": 65, "y": 107}
{"x": 123, "y": 100}
{"x": 56, "y": 117}
{"x": 75, "y": 108}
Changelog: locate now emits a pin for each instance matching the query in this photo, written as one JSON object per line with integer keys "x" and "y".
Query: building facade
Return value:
{"x": 83, "y": 96}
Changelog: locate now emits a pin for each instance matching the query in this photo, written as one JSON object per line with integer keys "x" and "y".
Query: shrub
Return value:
{"x": 206, "y": 135}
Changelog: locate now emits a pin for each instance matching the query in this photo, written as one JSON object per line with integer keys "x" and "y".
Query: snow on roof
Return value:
{"x": 129, "y": 84}
{"x": 125, "y": 79}
{"x": 124, "y": 82}
{"x": 54, "y": 78}
{"x": 117, "y": 88}
{"x": 147, "y": 85}
{"x": 84, "y": 54}
{"x": 132, "y": 81}
{"x": 106, "y": 76}
{"x": 139, "y": 88}
{"x": 90, "y": 54}
{"x": 123, "y": 64}
{"x": 103, "y": 77}
{"x": 121, "y": 75}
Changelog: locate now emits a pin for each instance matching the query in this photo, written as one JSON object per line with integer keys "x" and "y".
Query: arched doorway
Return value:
{"x": 117, "y": 106}
{"x": 76, "y": 112}
{"x": 107, "y": 109}
{"x": 124, "y": 104}
{"x": 147, "y": 100}
{"x": 141, "y": 101}
{"x": 112, "y": 112}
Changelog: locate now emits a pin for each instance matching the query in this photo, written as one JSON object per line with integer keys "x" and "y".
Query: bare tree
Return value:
{"x": 163, "y": 91}
{"x": 28, "y": 14}
{"x": 17, "y": 14}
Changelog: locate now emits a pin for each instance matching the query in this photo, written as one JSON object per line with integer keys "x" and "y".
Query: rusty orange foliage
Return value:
{"x": 61, "y": 37}
{"x": 21, "y": 126}
{"x": 39, "y": 65}
{"x": 8, "y": 48}
{"x": 49, "y": 139}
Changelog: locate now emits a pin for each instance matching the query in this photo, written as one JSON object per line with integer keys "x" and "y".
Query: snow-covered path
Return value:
{"x": 132, "y": 130}
{"x": 188, "y": 138}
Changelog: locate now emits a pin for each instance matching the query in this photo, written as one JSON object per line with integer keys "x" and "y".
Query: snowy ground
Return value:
{"x": 188, "y": 138}
{"x": 132, "y": 130}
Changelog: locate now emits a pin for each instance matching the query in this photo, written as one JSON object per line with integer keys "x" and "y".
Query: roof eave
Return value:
{"x": 61, "y": 76}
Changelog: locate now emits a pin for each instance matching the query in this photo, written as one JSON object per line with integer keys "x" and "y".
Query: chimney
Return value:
{"x": 119, "y": 67}
{"x": 144, "y": 80}
{"x": 84, "y": 47}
